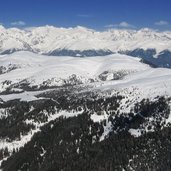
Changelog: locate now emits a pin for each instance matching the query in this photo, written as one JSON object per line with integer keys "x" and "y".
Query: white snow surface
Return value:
{"x": 46, "y": 39}
{"x": 36, "y": 69}
{"x": 140, "y": 79}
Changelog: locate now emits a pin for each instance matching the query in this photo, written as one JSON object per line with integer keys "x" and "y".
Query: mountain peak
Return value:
{"x": 2, "y": 27}
{"x": 82, "y": 28}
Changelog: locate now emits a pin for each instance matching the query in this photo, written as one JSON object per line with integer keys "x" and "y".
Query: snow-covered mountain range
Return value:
{"x": 84, "y": 111}
{"x": 81, "y": 41}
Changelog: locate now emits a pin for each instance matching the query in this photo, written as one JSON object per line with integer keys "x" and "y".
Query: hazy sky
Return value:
{"x": 97, "y": 14}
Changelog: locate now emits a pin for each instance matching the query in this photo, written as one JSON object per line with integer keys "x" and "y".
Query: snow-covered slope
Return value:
{"x": 26, "y": 69}
{"x": 38, "y": 70}
{"x": 111, "y": 94}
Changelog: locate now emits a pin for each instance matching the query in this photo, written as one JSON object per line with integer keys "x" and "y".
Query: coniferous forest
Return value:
{"x": 76, "y": 143}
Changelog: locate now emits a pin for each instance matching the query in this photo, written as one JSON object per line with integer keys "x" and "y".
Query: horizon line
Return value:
{"x": 30, "y": 28}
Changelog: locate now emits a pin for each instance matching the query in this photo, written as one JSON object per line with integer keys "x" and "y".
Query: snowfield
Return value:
{"x": 37, "y": 69}
{"x": 113, "y": 72}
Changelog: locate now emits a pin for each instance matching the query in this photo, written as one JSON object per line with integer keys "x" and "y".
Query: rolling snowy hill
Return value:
{"x": 24, "y": 70}
{"x": 37, "y": 70}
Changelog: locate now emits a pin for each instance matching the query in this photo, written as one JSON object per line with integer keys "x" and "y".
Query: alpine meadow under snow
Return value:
{"x": 78, "y": 99}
